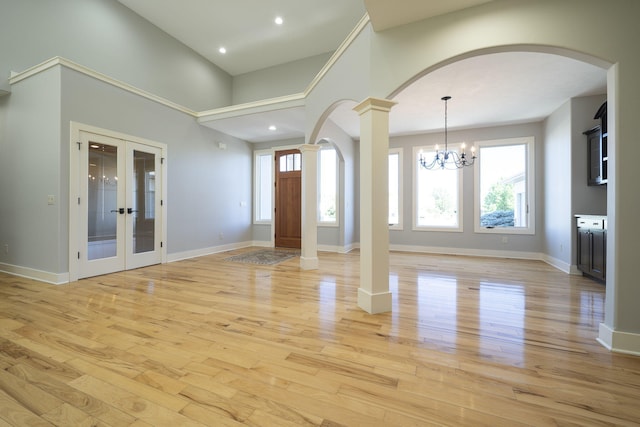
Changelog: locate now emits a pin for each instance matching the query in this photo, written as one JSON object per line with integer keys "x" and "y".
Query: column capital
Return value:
{"x": 377, "y": 104}
{"x": 309, "y": 147}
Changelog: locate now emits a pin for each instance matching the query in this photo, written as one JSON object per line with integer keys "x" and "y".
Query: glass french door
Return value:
{"x": 120, "y": 203}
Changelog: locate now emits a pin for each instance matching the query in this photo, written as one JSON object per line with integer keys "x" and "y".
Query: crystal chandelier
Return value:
{"x": 446, "y": 159}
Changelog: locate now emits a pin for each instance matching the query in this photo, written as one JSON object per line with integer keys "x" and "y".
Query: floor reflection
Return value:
{"x": 501, "y": 314}
{"x": 500, "y": 321}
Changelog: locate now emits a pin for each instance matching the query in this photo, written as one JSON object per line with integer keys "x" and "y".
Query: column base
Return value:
{"x": 309, "y": 263}
{"x": 374, "y": 303}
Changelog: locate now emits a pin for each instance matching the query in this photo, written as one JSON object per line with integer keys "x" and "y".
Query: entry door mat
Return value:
{"x": 264, "y": 256}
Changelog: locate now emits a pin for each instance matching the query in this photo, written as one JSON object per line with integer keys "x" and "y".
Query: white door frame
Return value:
{"x": 75, "y": 174}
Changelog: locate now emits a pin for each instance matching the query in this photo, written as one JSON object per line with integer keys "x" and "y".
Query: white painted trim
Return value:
{"x": 336, "y": 249}
{"x": 555, "y": 262}
{"x": 34, "y": 274}
{"x": 272, "y": 104}
{"x": 529, "y": 143}
{"x": 75, "y": 130}
{"x": 278, "y": 103}
{"x": 375, "y": 303}
{"x": 467, "y": 252}
{"x": 337, "y": 54}
{"x": 574, "y": 271}
{"x": 17, "y": 77}
{"x": 416, "y": 168}
{"x": 619, "y": 342}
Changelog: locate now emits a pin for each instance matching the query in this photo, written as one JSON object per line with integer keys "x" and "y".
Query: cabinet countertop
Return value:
{"x": 590, "y": 216}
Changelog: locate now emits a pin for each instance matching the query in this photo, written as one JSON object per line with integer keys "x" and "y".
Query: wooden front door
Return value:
{"x": 288, "y": 212}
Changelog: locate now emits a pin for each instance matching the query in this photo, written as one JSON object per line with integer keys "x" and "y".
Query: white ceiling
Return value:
{"x": 246, "y": 28}
{"x": 494, "y": 89}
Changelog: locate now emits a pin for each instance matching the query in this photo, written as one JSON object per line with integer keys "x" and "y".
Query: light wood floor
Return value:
{"x": 470, "y": 341}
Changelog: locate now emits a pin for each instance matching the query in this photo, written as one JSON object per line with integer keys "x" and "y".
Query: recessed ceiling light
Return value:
{"x": 278, "y": 20}
{"x": 222, "y": 50}
{"x": 272, "y": 127}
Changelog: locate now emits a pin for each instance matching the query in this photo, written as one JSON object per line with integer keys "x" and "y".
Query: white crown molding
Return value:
{"x": 271, "y": 104}
{"x": 338, "y": 53}
{"x": 55, "y": 61}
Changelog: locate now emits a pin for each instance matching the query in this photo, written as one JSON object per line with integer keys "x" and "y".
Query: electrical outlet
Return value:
{"x": 221, "y": 236}
{"x": 6, "y": 249}
{"x": 51, "y": 199}
{"x": 505, "y": 239}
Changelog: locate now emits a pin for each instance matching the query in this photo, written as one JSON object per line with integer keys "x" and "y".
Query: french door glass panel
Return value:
{"x": 120, "y": 214}
{"x": 102, "y": 201}
{"x": 143, "y": 201}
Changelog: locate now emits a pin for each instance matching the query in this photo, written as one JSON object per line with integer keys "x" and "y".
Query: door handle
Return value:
{"x": 130, "y": 210}
{"x": 119, "y": 210}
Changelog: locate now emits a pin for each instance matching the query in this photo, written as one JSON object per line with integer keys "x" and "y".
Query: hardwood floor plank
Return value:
{"x": 15, "y": 414}
{"x": 67, "y": 415}
{"x": 83, "y": 402}
{"x": 29, "y": 396}
{"x": 130, "y": 403}
{"x": 470, "y": 341}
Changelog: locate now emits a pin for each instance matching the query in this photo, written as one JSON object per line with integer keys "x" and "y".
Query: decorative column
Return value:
{"x": 309, "y": 253}
{"x": 373, "y": 294}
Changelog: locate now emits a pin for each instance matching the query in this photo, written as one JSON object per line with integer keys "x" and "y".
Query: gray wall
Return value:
{"x": 468, "y": 239}
{"x": 342, "y": 236}
{"x": 108, "y": 37}
{"x": 206, "y": 185}
{"x": 30, "y": 171}
{"x": 585, "y": 199}
{"x": 285, "y": 79}
{"x": 557, "y": 179}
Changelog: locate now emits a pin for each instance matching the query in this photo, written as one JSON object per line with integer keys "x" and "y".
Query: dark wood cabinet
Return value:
{"x": 592, "y": 246}
{"x": 597, "y": 143}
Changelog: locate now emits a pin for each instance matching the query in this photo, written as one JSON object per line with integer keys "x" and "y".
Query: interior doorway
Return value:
{"x": 288, "y": 199}
{"x": 119, "y": 213}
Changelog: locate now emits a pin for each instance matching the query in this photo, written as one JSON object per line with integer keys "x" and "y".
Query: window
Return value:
{"x": 505, "y": 186}
{"x": 328, "y": 186}
{"x": 437, "y": 201}
{"x": 263, "y": 162}
{"x": 395, "y": 189}
{"x": 291, "y": 162}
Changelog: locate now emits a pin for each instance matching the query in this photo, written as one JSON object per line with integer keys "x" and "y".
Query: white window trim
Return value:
{"x": 256, "y": 185}
{"x": 335, "y": 223}
{"x": 400, "y": 224}
{"x": 529, "y": 142}
{"x": 416, "y": 166}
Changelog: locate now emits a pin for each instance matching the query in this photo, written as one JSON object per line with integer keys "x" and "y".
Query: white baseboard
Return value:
{"x": 466, "y": 251}
{"x": 32, "y": 273}
{"x": 336, "y": 248}
{"x": 574, "y": 270}
{"x": 557, "y": 263}
{"x": 619, "y": 342}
